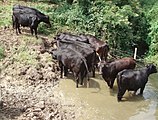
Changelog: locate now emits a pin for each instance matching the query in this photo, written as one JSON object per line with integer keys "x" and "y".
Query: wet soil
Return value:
{"x": 28, "y": 80}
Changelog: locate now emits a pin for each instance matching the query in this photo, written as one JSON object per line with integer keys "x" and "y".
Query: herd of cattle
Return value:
{"x": 82, "y": 54}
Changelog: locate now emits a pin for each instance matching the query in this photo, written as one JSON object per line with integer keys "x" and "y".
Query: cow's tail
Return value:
{"x": 84, "y": 74}
{"x": 85, "y": 63}
{"x": 84, "y": 60}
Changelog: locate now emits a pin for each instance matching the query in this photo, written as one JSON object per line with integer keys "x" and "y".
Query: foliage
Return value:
{"x": 151, "y": 10}
{"x": 122, "y": 23}
{"x": 5, "y": 15}
{"x": 23, "y": 55}
{"x": 122, "y": 26}
{"x": 153, "y": 35}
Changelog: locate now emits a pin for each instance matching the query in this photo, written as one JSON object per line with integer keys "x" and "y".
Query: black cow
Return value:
{"x": 110, "y": 70}
{"x": 73, "y": 60}
{"x": 28, "y": 17}
{"x": 132, "y": 80}
{"x": 85, "y": 49}
{"x": 69, "y": 36}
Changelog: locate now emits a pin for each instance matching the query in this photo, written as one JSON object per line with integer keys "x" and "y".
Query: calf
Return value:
{"x": 73, "y": 60}
{"x": 110, "y": 70}
{"x": 28, "y": 17}
{"x": 132, "y": 80}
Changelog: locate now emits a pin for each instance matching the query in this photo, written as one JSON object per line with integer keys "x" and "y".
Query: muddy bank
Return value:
{"x": 28, "y": 80}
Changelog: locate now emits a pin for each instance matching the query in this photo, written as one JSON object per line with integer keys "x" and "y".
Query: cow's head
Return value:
{"x": 47, "y": 21}
{"x": 105, "y": 73}
{"x": 151, "y": 68}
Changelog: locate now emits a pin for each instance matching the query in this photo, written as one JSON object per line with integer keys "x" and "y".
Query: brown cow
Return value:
{"x": 102, "y": 48}
{"x": 110, "y": 70}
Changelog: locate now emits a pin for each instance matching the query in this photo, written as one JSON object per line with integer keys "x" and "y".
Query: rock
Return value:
{"x": 40, "y": 105}
{"x": 23, "y": 70}
{"x": 37, "y": 110}
{"x": 34, "y": 74}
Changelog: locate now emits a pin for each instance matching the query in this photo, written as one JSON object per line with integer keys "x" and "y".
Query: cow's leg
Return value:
{"x": 61, "y": 68}
{"x": 19, "y": 30}
{"x": 17, "y": 27}
{"x": 120, "y": 93}
{"x": 141, "y": 90}
{"x": 112, "y": 82}
{"x": 93, "y": 71}
{"x": 65, "y": 71}
{"x": 88, "y": 84}
{"x": 36, "y": 32}
{"x": 16, "y": 30}
{"x": 77, "y": 79}
{"x": 82, "y": 75}
{"x": 108, "y": 82}
{"x": 31, "y": 31}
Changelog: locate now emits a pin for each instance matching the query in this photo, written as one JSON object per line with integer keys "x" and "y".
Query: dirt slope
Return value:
{"x": 28, "y": 80}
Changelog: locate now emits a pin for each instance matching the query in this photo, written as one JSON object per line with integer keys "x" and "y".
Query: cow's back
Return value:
{"x": 125, "y": 63}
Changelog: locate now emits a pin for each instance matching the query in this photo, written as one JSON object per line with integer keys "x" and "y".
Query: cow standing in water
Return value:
{"x": 73, "y": 60}
{"x": 110, "y": 70}
{"x": 132, "y": 80}
{"x": 75, "y": 43}
{"x": 28, "y": 17}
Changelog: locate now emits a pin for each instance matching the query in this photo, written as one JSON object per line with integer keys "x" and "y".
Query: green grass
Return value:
{"x": 152, "y": 59}
{"x": 25, "y": 56}
{"x": 5, "y": 14}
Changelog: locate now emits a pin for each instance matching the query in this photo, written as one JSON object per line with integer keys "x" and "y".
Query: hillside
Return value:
{"x": 28, "y": 80}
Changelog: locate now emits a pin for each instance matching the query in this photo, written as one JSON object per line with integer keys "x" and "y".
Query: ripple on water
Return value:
{"x": 98, "y": 102}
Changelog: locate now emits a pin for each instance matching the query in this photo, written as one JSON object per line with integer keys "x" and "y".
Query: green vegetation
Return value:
{"x": 5, "y": 14}
{"x": 151, "y": 9}
{"x": 25, "y": 56}
{"x": 124, "y": 24}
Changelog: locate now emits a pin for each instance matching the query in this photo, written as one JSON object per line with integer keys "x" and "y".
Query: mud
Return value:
{"x": 28, "y": 80}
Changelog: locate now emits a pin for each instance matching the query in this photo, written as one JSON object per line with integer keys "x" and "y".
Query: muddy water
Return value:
{"x": 98, "y": 102}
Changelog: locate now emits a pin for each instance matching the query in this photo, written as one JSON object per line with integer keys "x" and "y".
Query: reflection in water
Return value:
{"x": 148, "y": 114}
{"x": 98, "y": 102}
